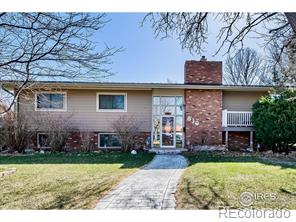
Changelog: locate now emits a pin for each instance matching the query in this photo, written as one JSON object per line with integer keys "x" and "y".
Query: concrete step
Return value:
{"x": 167, "y": 150}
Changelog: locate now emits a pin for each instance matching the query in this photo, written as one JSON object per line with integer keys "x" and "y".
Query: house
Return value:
{"x": 202, "y": 111}
{"x": 2, "y": 109}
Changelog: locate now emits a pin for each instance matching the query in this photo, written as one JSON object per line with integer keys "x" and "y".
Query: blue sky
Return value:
{"x": 146, "y": 59}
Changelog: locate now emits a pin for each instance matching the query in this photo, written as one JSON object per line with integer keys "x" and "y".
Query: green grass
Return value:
{"x": 64, "y": 181}
{"x": 2, "y": 169}
{"x": 217, "y": 180}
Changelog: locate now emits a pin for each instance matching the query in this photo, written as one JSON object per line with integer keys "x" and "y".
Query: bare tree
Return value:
{"x": 278, "y": 63}
{"x": 46, "y": 46}
{"x": 247, "y": 67}
{"x": 290, "y": 72}
{"x": 191, "y": 29}
{"x": 283, "y": 63}
{"x": 127, "y": 129}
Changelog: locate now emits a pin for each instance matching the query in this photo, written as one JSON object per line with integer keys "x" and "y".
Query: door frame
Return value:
{"x": 160, "y": 116}
{"x": 174, "y": 133}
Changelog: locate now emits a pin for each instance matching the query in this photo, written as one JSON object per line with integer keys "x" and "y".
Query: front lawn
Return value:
{"x": 64, "y": 181}
{"x": 217, "y": 180}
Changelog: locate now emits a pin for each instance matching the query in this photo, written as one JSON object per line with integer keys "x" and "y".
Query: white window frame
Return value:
{"x": 64, "y": 109}
{"x": 38, "y": 145}
{"x": 110, "y": 147}
{"x": 111, "y": 94}
{"x": 275, "y": 95}
{"x": 175, "y": 116}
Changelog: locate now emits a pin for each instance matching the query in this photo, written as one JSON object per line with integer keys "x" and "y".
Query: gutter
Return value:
{"x": 141, "y": 86}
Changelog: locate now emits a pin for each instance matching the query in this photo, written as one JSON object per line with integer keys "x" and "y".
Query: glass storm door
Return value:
{"x": 168, "y": 131}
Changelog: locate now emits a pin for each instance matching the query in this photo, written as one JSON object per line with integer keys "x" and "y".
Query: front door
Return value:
{"x": 168, "y": 131}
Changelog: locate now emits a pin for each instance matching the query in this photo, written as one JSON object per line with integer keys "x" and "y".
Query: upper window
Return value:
{"x": 50, "y": 101}
{"x": 111, "y": 102}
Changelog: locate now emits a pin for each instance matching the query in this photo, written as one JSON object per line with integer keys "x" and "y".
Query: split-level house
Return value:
{"x": 2, "y": 109}
{"x": 200, "y": 111}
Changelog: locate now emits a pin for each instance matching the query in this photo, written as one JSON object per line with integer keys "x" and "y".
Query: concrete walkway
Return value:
{"x": 152, "y": 187}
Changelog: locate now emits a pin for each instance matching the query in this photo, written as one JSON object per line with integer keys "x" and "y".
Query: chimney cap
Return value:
{"x": 203, "y": 58}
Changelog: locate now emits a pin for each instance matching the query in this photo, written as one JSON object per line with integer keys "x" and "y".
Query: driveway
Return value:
{"x": 152, "y": 187}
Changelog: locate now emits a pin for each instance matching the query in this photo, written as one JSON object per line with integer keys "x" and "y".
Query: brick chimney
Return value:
{"x": 203, "y": 72}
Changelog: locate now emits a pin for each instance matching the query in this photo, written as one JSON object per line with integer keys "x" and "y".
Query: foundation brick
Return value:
{"x": 77, "y": 141}
{"x": 238, "y": 140}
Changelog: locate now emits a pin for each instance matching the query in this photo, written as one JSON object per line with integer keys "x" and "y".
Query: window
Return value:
{"x": 108, "y": 140}
{"x": 115, "y": 102}
{"x": 156, "y": 131}
{"x": 167, "y": 108}
{"x": 42, "y": 141}
{"x": 50, "y": 101}
{"x": 275, "y": 96}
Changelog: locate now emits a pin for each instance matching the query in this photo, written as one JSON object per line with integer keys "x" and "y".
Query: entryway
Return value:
{"x": 168, "y": 137}
{"x": 167, "y": 122}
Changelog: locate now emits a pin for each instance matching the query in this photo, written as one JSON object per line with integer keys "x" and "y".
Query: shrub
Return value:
{"x": 15, "y": 133}
{"x": 274, "y": 120}
{"x": 57, "y": 127}
{"x": 127, "y": 129}
{"x": 86, "y": 140}
{"x": 57, "y": 140}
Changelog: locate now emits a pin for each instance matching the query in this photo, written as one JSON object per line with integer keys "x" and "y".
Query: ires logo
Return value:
{"x": 249, "y": 198}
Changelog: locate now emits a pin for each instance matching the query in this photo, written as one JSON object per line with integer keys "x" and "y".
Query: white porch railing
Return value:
{"x": 236, "y": 118}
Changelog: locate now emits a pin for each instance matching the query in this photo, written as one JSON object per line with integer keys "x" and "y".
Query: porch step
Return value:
{"x": 167, "y": 150}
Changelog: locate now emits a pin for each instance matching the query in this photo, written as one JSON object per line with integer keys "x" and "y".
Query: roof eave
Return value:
{"x": 137, "y": 86}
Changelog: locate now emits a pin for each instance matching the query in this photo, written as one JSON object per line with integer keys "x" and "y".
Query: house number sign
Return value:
{"x": 192, "y": 120}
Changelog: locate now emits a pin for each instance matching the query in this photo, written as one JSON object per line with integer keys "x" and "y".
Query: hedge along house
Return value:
{"x": 202, "y": 111}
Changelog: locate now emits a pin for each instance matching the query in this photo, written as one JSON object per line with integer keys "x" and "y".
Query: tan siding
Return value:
{"x": 240, "y": 101}
{"x": 81, "y": 105}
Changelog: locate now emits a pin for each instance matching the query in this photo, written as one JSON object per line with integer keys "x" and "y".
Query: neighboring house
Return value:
{"x": 2, "y": 109}
{"x": 201, "y": 111}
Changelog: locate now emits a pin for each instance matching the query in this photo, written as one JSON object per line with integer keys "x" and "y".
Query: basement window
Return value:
{"x": 43, "y": 141}
{"x": 109, "y": 140}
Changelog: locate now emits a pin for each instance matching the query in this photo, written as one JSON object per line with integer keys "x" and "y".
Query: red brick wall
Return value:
{"x": 141, "y": 140}
{"x": 78, "y": 140}
{"x": 203, "y": 72}
{"x": 204, "y": 107}
{"x": 75, "y": 141}
{"x": 238, "y": 140}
